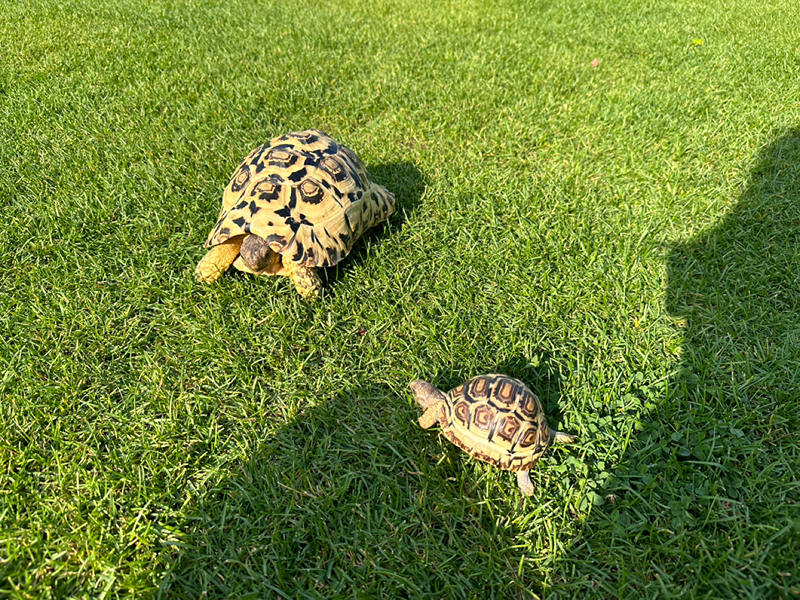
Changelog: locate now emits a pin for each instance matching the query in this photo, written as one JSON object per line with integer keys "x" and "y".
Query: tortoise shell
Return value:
{"x": 497, "y": 419}
{"x": 308, "y": 196}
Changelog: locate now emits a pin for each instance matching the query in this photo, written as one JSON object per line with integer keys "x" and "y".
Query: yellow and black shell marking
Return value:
{"x": 309, "y": 197}
{"x": 497, "y": 419}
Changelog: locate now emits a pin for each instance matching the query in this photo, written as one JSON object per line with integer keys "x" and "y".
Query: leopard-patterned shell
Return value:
{"x": 497, "y": 419}
{"x": 309, "y": 197}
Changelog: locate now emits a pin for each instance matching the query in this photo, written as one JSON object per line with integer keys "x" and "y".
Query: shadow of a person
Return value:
{"x": 737, "y": 288}
{"x": 706, "y": 499}
{"x": 334, "y": 505}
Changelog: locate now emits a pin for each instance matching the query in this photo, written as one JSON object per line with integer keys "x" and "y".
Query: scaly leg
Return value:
{"x": 561, "y": 437}
{"x": 524, "y": 482}
{"x": 431, "y": 416}
{"x": 218, "y": 259}
{"x": 305, "y": 279}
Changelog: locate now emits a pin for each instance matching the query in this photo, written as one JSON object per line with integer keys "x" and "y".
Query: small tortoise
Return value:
{"x": 294, "y": 205}
{"x": 495, "y": 418}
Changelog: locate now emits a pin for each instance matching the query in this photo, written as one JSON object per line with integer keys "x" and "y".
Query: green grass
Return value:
{"x": 625, "y": 238}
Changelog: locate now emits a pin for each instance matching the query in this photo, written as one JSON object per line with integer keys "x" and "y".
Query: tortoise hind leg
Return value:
{"x": 218, "y": 259}
{"x": 524, "y": 482}
{"x": 561, "y": 437}
{"x": 305, "y": 279}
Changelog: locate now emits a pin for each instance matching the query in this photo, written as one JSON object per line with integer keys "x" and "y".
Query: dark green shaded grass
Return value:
{"x": 321, "y": 512}
{"x": 623, "y": 238}
{"x": 737, "y": 290}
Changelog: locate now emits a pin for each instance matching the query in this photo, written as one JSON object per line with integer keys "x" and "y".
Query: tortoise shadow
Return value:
{"x": 408, "y": 184}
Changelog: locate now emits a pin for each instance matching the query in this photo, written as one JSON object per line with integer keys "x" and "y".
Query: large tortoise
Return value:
{"x": 495, "y": 418}
{"x": 294, "y": 205}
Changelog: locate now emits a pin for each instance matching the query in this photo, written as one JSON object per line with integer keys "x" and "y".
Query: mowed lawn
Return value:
{"x": 600, "y": 197}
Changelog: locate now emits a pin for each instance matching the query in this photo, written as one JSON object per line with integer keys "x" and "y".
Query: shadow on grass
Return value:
{"x": 351, "y": 498}
{"x": 705, "y": 499}
{"x": 347, "y": 500}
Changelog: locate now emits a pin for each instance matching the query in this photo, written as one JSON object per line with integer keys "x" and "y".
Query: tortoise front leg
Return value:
{"x": 218, "y": 259}
{"x": 305, "y": 279}
{"x": 524, "y": 482}
{"x": 431, "y": 416}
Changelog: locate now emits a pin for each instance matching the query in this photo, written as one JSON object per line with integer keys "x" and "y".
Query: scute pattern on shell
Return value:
{"x": 308, "y": 196}
{"x": 497, "y": 419}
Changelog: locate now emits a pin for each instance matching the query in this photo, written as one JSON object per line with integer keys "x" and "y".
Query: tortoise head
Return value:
{"x": 257, "y": 254}
{"x": 426, "y": 394}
